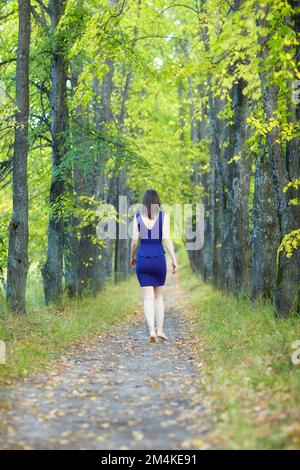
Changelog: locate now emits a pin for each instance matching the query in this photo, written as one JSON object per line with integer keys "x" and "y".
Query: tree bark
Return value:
{"x": 216, "y": 192}
{"x": 287, "y": 296}
{"x": 265, "y": 230}
{"x": 71, "y": 222}
{"x": 122, "y": 245}
{"x": 236, "y": 177}
{"x": 52, "y": 271}
{"x": 196, "y": 256}
{"x": 285, "y": 168}
{"x": 71, "y": 247}
{"x": 85, "y": 269}
{"x": 103, "y": 119}
{"x": 241, "y": 170}
{"x": 18, "y": 228}
{"x": 229, "y": 278}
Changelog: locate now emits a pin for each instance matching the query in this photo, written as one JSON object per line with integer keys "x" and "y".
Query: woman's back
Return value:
{"x": 151, "y": 237}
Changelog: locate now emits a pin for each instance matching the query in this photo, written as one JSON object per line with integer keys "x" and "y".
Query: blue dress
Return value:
{"x": 151, "y": 267}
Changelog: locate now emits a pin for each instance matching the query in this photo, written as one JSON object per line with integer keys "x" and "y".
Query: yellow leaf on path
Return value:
{"x": 197, "y": 443}
{"x": 138, "y": 435}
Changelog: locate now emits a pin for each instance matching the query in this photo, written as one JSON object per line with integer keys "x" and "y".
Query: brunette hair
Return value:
{"x": 151, "y": 204}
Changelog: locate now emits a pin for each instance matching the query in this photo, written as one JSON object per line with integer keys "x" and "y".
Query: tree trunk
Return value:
{"x": 242, "y": 170}
{"x": 122, "y": 245}
{"x": 71, "y": 247}
{"x": 285, "y": 168}
{"x": 216, "y": 191}
{"x": 94, "y": 261}
{"x": 85, "y": 265}
{"x": 52, "y": 271}
{"x": 103, "y": 119}
{"x": 181, "y": 111}
{"x": 236, "y": 184}
{"x": 71, "y": 222}
{"x": 229, "y": 278}
{"x": 265, "y": 230}
{"x": 205, "y": 255}
{"x": 196, "y": 134}
{"x": 18, "y": 228}
{"x": 287, "y": 296}
{"x": 71, "y": 243}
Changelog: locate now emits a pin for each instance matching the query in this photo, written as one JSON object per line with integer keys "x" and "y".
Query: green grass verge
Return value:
{"x": 250, "y": 379}
{"x": 44, "y": 333}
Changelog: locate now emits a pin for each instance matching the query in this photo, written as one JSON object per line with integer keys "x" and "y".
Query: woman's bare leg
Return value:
{"x": 149, "y": 308}
{"x": 159, "y": 310}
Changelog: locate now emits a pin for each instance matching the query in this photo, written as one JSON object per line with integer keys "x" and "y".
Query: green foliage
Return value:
{"x": 290, "y": 243}
{"x": 166, "y": 58}
{"x": 246, "y": 359}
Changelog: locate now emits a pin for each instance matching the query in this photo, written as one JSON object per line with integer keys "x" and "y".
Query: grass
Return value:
{"x": 250, "y": 379}
{"x": 33, "y": 340}
{"x": 251, "y": 386}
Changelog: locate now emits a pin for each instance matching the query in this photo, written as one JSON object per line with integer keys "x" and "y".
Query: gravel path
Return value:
{"x": 121, "y": 392}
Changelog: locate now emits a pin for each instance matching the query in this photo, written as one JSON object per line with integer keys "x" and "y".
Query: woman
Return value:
{"x": 152, "y": 226}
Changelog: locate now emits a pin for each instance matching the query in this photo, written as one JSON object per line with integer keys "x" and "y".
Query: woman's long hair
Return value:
{"x": 151, "y": 204}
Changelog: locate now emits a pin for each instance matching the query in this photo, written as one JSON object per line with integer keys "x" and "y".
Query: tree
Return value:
{"x": 122, "y": 246}
{"x": 285, "y": 169}
{"x": 52, "y": 271}
{"x": 265, "y": 231}
{"x": 18, "y": 228}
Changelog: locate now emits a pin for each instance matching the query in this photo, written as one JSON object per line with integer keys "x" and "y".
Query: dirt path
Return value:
{"x": 119, "y": 393}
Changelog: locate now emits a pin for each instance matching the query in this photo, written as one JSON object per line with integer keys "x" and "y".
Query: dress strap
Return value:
{"x": 160, "y": 224}
{"x": 138, "y": 221}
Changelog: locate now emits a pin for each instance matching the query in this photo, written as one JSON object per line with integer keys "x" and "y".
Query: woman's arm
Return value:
{"x": 168, "y": 242}
{"x": 134, "y": 242}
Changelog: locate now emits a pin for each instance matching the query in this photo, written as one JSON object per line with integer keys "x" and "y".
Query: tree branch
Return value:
{"x": 6, "y": 16}
{"x": 14, "y": 59}
{"x": 43, "y": 6}
{"x": 179, "y": 5}
{"x": 115, "y": 15}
